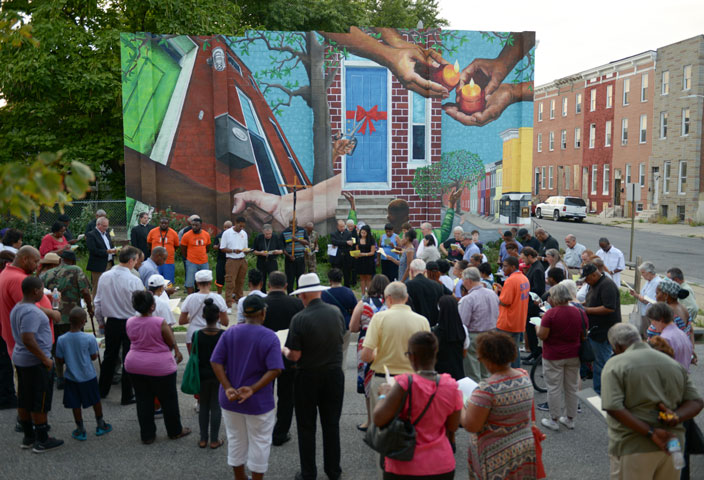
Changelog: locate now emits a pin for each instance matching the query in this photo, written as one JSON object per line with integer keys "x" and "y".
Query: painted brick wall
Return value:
{"x": 600, "y": 155}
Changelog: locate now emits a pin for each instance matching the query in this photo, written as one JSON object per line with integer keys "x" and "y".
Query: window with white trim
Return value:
{"x": 552, "y": 109}
{"x": 624, "y": 131}
{"x": 564, "y": 106}
{"x": 592, "y": 135}
{"x": 643, "y": 128}
{"x": 686, "y": 77}
{"x": 609, "y": 96}
{"x": 578, "y": 103}
{"x": 540, "y": 112}
{"x": 665, "y": 82}
{"x": 663, "y": 124}
{"x": 607, "y": 139}
{"x": 606, "y": 186}
{"x": 418, "y": 129}
{"x": 682, "y": 178}
{"x": 641, "y": 174}
{"x": 577, "y": 137}
{"x": 540, "y": 142}
{"x": 550, "y": 177}
{"x": 626, "y": 90}
{"x": 644, "y": 87}
{"x": 542, "y": 178}
{"x": 685, "y": 121}
{"x": 551, "y": 146}
{"x": 594, "y": 179}
{"x": 563, "y": 139}
{"x": 592, "y": 99}
{"x": 628, "y": 173}
{"x": 666, "y": 177}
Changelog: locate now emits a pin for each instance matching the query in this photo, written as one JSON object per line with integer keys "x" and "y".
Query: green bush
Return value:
{"x": 32, "y": 232}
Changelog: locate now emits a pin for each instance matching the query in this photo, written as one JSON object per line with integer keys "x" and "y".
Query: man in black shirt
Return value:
{"x": 546, "y": 243}
{"x": 342, "y": 239}
{"x": 603, "y": 307}
{"x": 267, "y": 248}
{"x": 138, "y": 234}
{"x": 536, "y": 277}
{"x": 281, "y": 308}
{"x": 528, "y": 240}
{"x": 315, "y": 342}
{"x": 424, "y": 293}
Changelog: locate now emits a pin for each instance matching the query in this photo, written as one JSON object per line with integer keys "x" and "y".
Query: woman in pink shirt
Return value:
{"x": 54, "y": 242}
{"x": 433, "y": 457}
{"x": 152, "y": 368}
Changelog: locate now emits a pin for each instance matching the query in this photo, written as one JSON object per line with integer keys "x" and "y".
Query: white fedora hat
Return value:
{"x": 309, "y": 282}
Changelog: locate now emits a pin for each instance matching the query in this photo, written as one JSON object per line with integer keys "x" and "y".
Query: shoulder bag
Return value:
{"x": 586, "y": 353}
{"x": 191, "y": 375}
{"x": 397, "y": 439}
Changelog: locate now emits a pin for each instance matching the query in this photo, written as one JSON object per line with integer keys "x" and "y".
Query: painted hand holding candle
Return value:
{"x": 447, "y": 75}
{"x": 470, "y": 98}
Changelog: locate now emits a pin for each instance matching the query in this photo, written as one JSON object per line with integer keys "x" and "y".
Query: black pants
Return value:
{"x": 266, "y": 266}
{"x": 8, "y": 397}
{"x": 284, "y": 404}
{"x": 210, "y": 413}
{"x": 319, "y": 391}
{"x": 348, "y": 270}
{"x": 115, "y": 336}
{"x": 390, "y": 269}
{"x": 146, "y": 387}
{"x": 532, "y": 340}
{"x": 293, "y": 271}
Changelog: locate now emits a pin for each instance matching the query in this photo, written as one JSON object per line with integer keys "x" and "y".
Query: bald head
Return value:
{"x": 27, "y": 258}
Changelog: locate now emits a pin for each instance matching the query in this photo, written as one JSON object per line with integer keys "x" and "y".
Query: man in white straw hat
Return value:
{"x": 315, "y": 342}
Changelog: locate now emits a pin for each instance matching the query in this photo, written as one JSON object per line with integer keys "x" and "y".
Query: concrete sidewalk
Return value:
{"x": 675, "y": 229}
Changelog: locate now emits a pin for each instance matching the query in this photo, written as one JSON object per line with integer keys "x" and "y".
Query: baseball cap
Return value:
{"x": 522, "y": 233}
{"x": 253, "y": 304}
{"x": 68, "y": 255}
{"x": 156, "y": 280}
{"x": 587, "y": 270}
{"x": 204, "y": 276}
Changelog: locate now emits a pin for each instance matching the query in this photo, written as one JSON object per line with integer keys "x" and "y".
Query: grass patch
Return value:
{"x": 626, "y": 298}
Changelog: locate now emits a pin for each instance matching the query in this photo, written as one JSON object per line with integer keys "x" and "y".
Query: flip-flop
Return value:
{"x": 184, "y": 431}
{"x": 361, "y": 428}
{"x": 217, "y": 444}
{"x": 203, "y": 444}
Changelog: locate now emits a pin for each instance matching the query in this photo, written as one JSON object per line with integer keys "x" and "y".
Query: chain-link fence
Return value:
{"x": 82, "y": 212}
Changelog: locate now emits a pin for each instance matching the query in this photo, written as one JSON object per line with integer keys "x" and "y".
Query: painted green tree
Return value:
{"x": 455, "y": 171}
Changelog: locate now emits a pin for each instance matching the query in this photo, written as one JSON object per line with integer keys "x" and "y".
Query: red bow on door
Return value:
{"x": 368, "y": 117}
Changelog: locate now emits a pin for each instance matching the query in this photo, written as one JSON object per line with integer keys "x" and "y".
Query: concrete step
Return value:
{"x": 368, "y": 211}
{"x": 366, "y": 200}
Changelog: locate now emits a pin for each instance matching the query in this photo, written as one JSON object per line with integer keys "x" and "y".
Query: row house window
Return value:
{"x": 592, "y": 99}
{"x": 624, "y": 131}
{"x": 686, "y": 77}
{"x": 665, "y": 81}
{"x": 644, "y": 87}
{"x": 578, "y": 103}
{"x": 626, "y": 90}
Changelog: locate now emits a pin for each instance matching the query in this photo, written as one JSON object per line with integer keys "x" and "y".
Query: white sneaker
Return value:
{"x": 550, "y": 423}
{"x": 229, "y": 311}
{"x": 567, "y": 422}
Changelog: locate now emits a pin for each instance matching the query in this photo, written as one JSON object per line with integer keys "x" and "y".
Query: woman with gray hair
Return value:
{"x": 561, "y": 330}
{"x": 648, "y": 290}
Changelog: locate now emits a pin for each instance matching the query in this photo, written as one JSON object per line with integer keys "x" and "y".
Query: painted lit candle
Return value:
{"x": 471, "y": 98}
{"x": 447, "y": 75}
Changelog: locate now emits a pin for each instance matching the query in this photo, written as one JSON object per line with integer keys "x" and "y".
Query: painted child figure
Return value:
{"x": 77, "y": 350}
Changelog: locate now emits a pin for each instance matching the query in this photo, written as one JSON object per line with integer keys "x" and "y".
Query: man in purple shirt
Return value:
{"x": 246, "y": 361}
{"x": 479, "y": 310}
{"x": 661, "y": 317}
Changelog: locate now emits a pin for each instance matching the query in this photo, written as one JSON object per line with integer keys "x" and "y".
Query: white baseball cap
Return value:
{"x": 156, "y": 280}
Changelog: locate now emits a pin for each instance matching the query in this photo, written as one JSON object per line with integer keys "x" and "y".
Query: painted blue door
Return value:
{"x": 366, "y": 107}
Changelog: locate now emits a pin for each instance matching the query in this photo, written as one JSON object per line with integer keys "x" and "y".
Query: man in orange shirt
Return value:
{"x": 194, "y": 248}
{"x": 513, "y": 303}
{"x": 163, "y": 236}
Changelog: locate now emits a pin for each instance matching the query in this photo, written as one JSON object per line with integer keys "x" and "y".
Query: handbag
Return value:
{"x": 586, "y": 353}
{"x": 538, "y": 437}
{"x": 397, "y": 439}
{"x": 191, "y": 375}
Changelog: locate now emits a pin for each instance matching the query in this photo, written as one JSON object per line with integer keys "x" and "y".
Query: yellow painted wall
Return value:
{"x": 517, "y": 160}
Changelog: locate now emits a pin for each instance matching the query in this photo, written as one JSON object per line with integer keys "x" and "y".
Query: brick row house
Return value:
{"x": 632, "y": 121}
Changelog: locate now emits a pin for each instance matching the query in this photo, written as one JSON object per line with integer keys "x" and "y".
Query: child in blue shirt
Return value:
{"x": 77, "y": 350}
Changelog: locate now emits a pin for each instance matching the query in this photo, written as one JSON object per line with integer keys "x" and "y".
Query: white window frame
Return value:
{"x": 624, "y": 131}
{"x": 626, "y": 91}
{"x": 643, "y": 131}
{"x": 628, "y": 173}
{"x": 563, "y": 139}
{"x": 595, "y": 172}
{"x": 577, "y": 137}
{"x": 682, "y": 178}
{"x": 609, "y": 96}
{"x": 413, "y": 162}
{"x": 592, "y": 99}
{"x": 564, "y": 106}
{"x": 552, "y": 109}
{"x": 540, "y": 111}
{"x": 666, "y": 173}
{"x": 641, "y": 174}
{"x": 551, "y": 173}
{"x": 540, "y": 142}
{"x": 663, "y": 124}
{"x": 687, "y": 77}
{"x": 578, "y": 103}
{"x": 592, "y": 135}
{"x": 606, "y": 179}
{"x": 607, "y": 130}
{"x": 665, "y": 83}
{"x": 542, "y": 178}
{"x": 686, "y": 121}
{"x": 644, "y": 87}
{"x": 551, "y": 141}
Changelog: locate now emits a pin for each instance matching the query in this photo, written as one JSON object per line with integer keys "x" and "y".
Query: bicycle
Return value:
{"x": 536, "y": 375}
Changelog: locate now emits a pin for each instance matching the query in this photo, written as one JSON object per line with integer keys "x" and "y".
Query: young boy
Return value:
{"x": 35, "y": 369}
{"x": 77, "y": 350}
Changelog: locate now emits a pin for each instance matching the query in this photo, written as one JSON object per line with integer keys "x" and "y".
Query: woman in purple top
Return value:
{"x": 561, "y": 332}
{"x": 246, "y": 361}
{"x": 152, "y": 368}
{"x": 661, "y": 318}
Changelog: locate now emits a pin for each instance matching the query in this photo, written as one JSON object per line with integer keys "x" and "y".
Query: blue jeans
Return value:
{"x": 516, "y": 338}
{"x": 168, "y": 271}
{"x": 602, "y": 352}
{"x": 191, "y": 269}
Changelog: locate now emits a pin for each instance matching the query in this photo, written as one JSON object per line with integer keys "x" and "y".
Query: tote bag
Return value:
{"x": 191, "y": 376}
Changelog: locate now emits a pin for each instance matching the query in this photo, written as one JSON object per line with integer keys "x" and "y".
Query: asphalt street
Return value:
{"x": 577, "y": 454}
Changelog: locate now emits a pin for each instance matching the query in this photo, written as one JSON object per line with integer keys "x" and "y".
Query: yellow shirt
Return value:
{"x": 388, "y": 333}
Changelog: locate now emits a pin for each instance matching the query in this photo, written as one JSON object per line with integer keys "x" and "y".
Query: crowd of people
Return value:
{"x": 439, "y": 315}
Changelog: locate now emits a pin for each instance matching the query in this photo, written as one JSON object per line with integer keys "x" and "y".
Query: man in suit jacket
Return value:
{"x": 138, "y": 234}
{"x": 91, "y": 225}
{"x": 100, "y": 251}
{"x": 342, "y": 239}
{"x": 424, "y": 293}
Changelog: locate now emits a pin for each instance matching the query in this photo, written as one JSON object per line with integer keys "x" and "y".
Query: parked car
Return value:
{"x": 562, "y": 207}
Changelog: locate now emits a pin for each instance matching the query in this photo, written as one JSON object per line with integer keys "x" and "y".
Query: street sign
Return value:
{"x": 632, "y": 192}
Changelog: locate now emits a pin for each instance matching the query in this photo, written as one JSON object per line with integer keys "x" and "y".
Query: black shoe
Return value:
{"x": 278, "y": 441}
{"x": 60, "y": 382}
{"x": 530, "y": 361}
{"x": 27, "y": 443}
{"x": 50, "y": 444}
{"x": 129, "y": 402}
{"x": 543, "y": 407}
{"x": 18, "y": 427}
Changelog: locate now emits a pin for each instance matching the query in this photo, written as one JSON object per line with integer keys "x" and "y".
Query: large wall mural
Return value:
{"x": 420, "y": 125}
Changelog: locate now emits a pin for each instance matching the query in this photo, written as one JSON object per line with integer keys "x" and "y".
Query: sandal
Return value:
{"x": 184, "y": 432}
{"x": 218, "y": 444}
{"x": 202, "y": 444}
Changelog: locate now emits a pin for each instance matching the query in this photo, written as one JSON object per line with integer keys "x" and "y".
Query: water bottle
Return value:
{"x": 55, "y": 299}
{"x": 673, "y": 446}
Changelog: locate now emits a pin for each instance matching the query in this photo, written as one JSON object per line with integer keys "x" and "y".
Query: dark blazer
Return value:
{"x": 97, "y": 253}
{"x": 424, "y": 295}
{"x": 138, "y": 238}
{"x": 339, "y": 239}
{"x": 536, "y": 277}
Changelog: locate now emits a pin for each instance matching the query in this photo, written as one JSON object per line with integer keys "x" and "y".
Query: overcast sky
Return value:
{"x": 576, "y": 36}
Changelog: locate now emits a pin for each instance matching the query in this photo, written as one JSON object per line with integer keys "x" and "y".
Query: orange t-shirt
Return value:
{"x": 515, "y": 294}
{"x": 168, "y": 240}
{"x": 197, "y": 244}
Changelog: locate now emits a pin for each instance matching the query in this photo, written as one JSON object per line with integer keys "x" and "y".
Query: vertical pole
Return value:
{"x": 633, "y": 219}
{"x": 636, "y": 281}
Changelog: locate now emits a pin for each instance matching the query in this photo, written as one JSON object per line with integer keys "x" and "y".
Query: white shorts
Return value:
{"x": 249, "y": 439}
